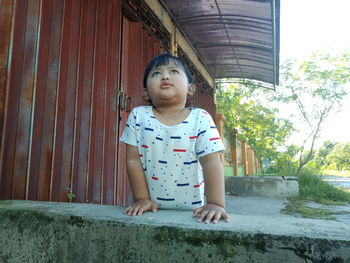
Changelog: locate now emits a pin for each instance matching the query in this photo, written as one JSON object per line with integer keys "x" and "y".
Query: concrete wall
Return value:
{"x": 270, "y": 186}
{"x": 60, "y": 232}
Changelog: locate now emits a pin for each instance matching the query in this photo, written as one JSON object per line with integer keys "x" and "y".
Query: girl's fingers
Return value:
{"x": 139, "y": 209}
{"x": 209, "y": 217}
{"x": 202, "y": 215}
{"x": 129, "y": 210}
{"x": 154, "y": 207}
{"x": 217, "y": 217}
{"x": 136, "y": 209}
{"x": 197, "y": 211}
{"x": 210, "y": 213}
{"x": 225, "y": 217}
{"x": 140, "y": 212}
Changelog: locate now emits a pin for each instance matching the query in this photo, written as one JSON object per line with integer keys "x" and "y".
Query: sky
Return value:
{"x": 317, "y": 25}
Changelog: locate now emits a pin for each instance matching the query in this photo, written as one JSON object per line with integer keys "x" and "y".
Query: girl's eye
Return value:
{"x": 155, "y": 74}
{"x": 174, "y": 71}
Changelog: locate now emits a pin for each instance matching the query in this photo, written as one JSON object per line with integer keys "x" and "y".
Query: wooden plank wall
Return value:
{"x": 205, "y": 101}
{"x": 60, "y": 71}
{"x": 59, "y": 75}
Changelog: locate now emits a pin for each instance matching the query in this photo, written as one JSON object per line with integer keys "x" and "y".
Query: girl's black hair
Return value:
{"x": 164, "y": 60}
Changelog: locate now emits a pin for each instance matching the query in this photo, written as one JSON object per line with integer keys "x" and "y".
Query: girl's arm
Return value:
{"x": 214, "y": 179}
{"x": 138, "y": 184}
{"x": 214, "y": 190}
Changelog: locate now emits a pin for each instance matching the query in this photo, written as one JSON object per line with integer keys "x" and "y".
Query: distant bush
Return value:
{"x": 313, "y": 188}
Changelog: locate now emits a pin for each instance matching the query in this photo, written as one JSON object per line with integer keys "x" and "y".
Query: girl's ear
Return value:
{"x": 191, "y": 89}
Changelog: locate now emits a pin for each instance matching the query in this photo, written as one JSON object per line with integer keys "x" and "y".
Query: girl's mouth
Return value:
{"x": 165, "y": 85}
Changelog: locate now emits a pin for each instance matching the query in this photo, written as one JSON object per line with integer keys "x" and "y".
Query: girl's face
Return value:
{"x": 168, "y": 85}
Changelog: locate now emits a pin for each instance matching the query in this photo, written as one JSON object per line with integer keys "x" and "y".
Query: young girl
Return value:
{"x": 172, "y": 151}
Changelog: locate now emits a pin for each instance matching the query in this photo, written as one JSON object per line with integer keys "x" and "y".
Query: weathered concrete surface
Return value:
{"x": 258, "y": 232}
{"x": 269, "y": 186}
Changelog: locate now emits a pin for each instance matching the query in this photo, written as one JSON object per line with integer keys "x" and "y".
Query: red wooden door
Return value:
{"x": 138, "y": 48}
{"x": 123, "y": 190}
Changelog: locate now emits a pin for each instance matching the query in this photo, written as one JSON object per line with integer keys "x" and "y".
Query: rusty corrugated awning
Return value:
{"x": 234, "y": 38}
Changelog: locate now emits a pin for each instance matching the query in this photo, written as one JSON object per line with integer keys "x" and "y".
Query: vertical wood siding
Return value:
{"x": 6, "y": 14}
{"x": 205, "y": 101}
{"x": 59, "y": 77}
{"x": 6, "y": 11}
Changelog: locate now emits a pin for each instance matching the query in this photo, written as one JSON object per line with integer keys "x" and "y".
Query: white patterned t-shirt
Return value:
{"x": 170, "y": 155}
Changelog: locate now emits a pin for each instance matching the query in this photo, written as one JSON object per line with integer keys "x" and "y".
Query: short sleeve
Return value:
{"x": 129, "y": 133}
{"x": 209, "y": 140}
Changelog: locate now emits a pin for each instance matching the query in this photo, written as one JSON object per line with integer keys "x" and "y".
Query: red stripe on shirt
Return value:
{"x": 213, "y": 139}
{"x": 205, "y": 112}
{"x": 154, "y": 178}
{"x": 140, "y": 155}
{"x": 198, "y": 185}
{"x": 193, "y": 137}
{"x": 179, "y": 150}
{"x": 144, "y": 146}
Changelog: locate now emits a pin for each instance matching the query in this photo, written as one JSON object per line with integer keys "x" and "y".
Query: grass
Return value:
{"x": 313, "y": 189}
{"x": 297, "y": 206}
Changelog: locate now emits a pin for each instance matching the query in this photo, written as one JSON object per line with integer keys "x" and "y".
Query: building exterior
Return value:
{"x": 240, "y": 158}
{"x": 71, "y": 70}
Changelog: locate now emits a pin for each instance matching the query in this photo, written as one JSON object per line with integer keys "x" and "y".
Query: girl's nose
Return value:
{"x": 165, "y": 76}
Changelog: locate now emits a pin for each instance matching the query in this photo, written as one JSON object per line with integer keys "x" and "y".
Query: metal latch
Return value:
{"x": 124, "y": 101}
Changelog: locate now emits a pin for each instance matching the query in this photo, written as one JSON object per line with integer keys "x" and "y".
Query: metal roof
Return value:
{"x": 234, "y": 38}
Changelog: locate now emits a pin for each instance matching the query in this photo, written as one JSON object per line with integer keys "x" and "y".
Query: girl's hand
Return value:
{"x": 211, "y": 212}
{"x": 141, "y": 206}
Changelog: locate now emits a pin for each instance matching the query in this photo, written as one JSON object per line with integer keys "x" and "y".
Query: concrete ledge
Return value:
{"x": 60, "y": 232}
{"x": 269, "y": 186}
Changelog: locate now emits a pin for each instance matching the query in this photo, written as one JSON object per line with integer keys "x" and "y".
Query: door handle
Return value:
{"x": 124, "y": 101}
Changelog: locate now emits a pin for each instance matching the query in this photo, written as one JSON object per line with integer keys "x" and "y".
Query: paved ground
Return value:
{"x": 263, "y": 214}
{"x": 337, "y": 181}
{"x": 263, "y": 206}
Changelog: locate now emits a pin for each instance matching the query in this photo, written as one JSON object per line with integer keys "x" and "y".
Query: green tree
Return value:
{"x": 323, "y": 152}
{"x": 257, "y": 124}
{"x": 316, "y": 87}
{"x": 339, "y": 158}
{"x": 285, "y": 162}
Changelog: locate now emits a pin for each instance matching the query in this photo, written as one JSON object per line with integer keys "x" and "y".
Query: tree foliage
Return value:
{"x": 257, "y": 124}
{"x": 322, "y": 153}
{"x": 339, "y": 158}
{"x": 316, "y": 87}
